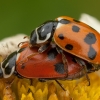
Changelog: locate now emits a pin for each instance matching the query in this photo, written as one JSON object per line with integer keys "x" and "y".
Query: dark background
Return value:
{"x": 22, "y": 16}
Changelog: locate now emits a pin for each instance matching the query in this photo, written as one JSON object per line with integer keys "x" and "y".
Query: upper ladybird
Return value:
{"x": 69, "y": 35}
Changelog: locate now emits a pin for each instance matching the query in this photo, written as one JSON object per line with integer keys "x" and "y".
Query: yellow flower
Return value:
{"x": 26, "y": 89}
{"x": 23, "y": 89}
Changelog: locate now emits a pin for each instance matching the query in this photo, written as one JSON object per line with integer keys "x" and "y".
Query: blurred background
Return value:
{"x": 22, "y": 16}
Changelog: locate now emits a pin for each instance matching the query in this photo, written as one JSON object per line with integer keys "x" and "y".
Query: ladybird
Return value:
{"x": 70, "y": 35}
{"x": 47, "y": 65}
{"x": 44, "y": 66}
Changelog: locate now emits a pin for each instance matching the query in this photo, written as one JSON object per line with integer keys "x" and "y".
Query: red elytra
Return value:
{"x": 78, "y": 39}
{"x": 47, "y": 65}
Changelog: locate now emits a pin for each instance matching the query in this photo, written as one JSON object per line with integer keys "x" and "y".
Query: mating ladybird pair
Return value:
{"x": 71, "y": 36}
{"x": 76, "y": 50}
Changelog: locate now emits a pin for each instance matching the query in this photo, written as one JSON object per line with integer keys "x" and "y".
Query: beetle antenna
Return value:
{"x": 60, "y": 84}
{"x": 21, "y": 43}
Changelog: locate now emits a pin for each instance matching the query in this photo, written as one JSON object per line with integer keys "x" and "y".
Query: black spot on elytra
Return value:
{"x": 60, "y": 36}
{"x": 52, "y": 53}
{"x": 64, "y": 21}
{"x": 90, "y": 38}
{"x": 92, "y": 53}
{"x": 69, "y": 46}
{"x": 75, "y": 28}
{"x": 59, "y": 67}
{"x": 23, "y": 66}
{"x": 76, "y": 20}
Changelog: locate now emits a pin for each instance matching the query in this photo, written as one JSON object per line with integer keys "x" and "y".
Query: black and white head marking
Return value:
{"x": 43, "y": 33}
{"x": 8, "y": 65}
{"x": 45, "y": 37}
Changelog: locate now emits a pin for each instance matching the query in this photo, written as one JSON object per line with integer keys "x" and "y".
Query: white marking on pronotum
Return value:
{"x": 59, "y": 25}
{"x": 3, "y": 70}
{"x": 42, "y": 41}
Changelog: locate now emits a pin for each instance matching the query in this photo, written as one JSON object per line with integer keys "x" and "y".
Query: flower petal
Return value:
{"x": 90, "y": 20}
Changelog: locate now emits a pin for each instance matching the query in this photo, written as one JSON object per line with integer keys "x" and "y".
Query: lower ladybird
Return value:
{"x": 44, "y": 66}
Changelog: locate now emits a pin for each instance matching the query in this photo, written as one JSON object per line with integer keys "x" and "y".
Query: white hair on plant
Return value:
{"x": 10, "y": 44}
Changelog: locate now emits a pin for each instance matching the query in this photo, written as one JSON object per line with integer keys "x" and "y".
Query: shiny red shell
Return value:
{"x": 78, "y": 39}
{"x": 44, "y": 65}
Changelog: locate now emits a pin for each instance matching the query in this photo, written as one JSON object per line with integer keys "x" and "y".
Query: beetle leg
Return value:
{"x": 88, "y": 79}
{"x": 60, "y": 84}
{"x": 44, "y": 80}
{"x": 18, "y": 75}
{"x": 44, "y": 47}
{"x": 31, "y": 55}
{"x": 26, "y": 59}
{"x": 21, "y": 43}
{"x": 82, "y": 63}
{"x": 96, "y": 67}
{"x": 65, "y": 62}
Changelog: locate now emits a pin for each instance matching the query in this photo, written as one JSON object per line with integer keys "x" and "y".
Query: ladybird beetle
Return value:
{"x": 47, "y": 65}
{"x": 44, "y": 65}
{"x": 70, "y": 35}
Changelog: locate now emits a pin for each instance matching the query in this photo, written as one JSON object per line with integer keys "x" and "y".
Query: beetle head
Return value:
{"x": 43, "y": 33}
{"x": 8, "y": 65}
